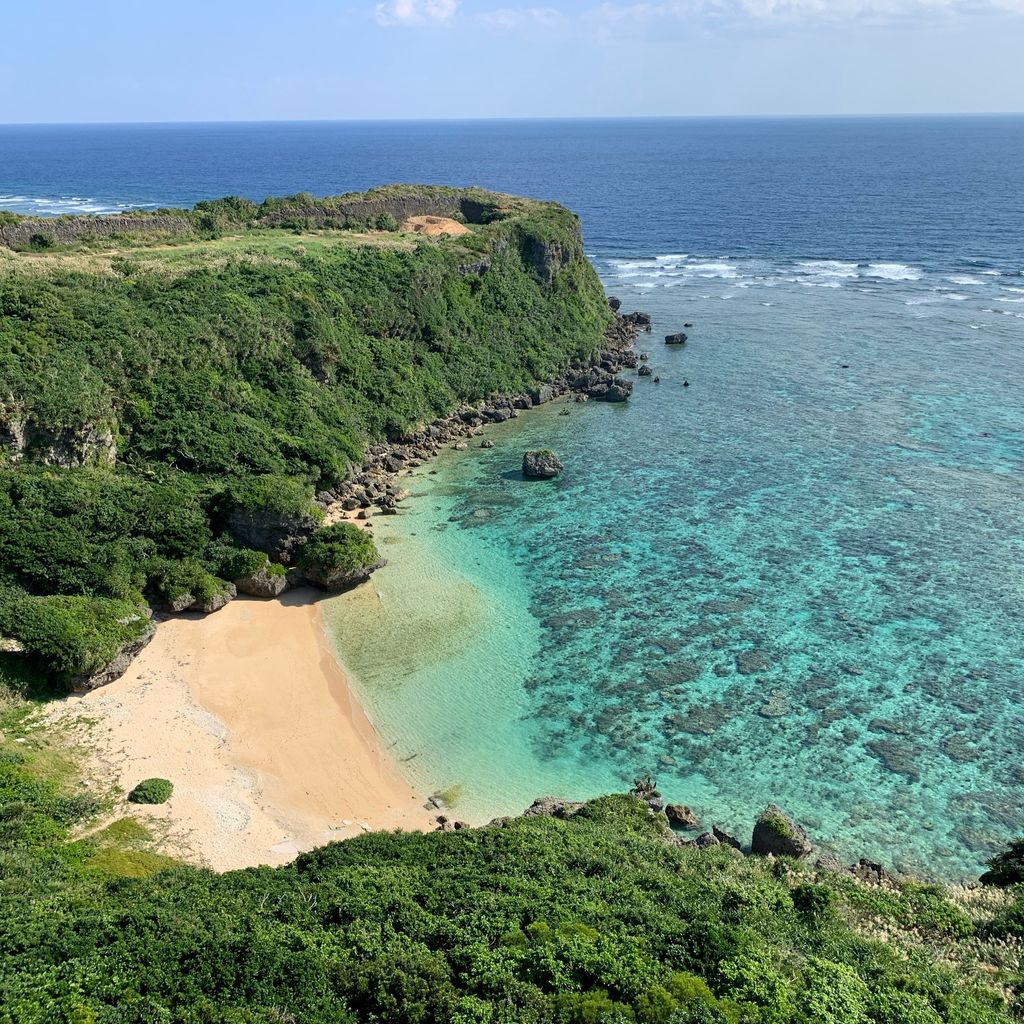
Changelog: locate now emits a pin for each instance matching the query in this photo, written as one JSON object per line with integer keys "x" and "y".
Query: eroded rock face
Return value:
{"x": 116, "y": 667}
{"x": 541, "y": 465}
{"x": 552, "y": 807}
{"x": 681, "y": 816}
{"x": 777, "y": 833}
{"x": 262, "y": 584}
{"x": 340, "y": 579}
{"x": 279, "y": 538}
{"x": 216, "y": 601}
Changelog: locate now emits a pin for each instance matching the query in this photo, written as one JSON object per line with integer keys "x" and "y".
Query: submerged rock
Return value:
{"x": 777, "y": 833}
{"x": 541, "y": 464}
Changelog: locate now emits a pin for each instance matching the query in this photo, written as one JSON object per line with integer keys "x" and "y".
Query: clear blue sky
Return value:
{"x": 112, "y": 60}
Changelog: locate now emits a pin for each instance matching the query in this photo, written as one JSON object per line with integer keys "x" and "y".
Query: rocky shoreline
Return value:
{"x": 374, "y": 481}
{"x": 775, "y": 834}
{"x": 374, "y": 484}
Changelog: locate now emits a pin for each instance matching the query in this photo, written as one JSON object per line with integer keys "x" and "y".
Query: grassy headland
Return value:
{"x": 165, "y": 378}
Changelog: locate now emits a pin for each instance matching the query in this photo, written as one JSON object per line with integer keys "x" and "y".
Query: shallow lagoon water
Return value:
{"x": 796, "y": 580}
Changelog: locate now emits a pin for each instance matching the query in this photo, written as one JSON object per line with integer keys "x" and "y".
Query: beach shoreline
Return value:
{"x": 251, "y": 717}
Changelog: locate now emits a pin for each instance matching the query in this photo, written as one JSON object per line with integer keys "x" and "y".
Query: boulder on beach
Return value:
{"x": 542, "y": 464}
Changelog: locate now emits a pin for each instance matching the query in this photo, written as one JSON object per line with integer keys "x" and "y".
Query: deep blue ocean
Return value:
{"x": 801, "y": 578}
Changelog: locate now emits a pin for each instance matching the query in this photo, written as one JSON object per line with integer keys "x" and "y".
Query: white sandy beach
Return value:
{"x": 247, "y": 712}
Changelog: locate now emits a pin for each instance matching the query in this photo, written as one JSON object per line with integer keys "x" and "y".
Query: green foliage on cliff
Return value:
{"x": 538, "y": 921}
{"x": 245, "y": 371}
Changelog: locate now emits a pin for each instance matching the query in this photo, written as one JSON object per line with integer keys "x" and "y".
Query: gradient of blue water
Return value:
{"x": 838, "y": 491}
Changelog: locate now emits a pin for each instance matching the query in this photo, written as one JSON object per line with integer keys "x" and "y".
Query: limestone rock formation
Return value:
{"x": 541, "y": 465}
{"x": 775, "y": 832}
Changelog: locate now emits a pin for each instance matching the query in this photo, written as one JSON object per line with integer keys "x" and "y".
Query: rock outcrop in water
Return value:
{"x": 541, "y": 465}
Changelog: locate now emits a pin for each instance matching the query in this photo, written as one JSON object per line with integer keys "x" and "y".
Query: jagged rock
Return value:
{"x": 705, "y": 839}
{"x": 486, "y": 444}
{"x": 541, "y": 465}
{"x": 675, "y": 339}
{"x": 117, "y": 666}
{"x": 614, "y": 304}
{"x": 872, "y": 873}
{"x": 542, "y": 394}
{"x": 277, "y": 536}
{"x": 681, "y": 815}
{"x": 644, "y": 371}
{"x": 215, "y": 602}
{"x": 341, "y": 579}
{"x": 181, "y": 603}
{"x": 263, "y": 583}
{"x": 552, "y": 807}
{"x": 726, "y": 839}
{"x": 618, "y": 391}
{"x": 777, "y": 833}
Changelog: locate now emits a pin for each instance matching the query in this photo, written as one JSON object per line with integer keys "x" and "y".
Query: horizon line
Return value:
{"x": 520, "y": 118}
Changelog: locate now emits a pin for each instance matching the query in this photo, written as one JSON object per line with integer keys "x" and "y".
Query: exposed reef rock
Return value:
{"x": 340, "y": 579}
{"x": 541, "y": 465}
{"x": 675, "y": 339}
{"x": 775, "y": 832}
{"x": 681, "y": 816}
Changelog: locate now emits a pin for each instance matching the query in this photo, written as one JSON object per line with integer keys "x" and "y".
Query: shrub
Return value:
{"x": 814, "y": 903}
{"x": 151, "y": 791}
{"x": 385, "y": 222}
{"x": 338, "y": 548}
{"x": 275, "y": 496}
{"x": 71, "y": 635}
{"x": 1006, "y": 868}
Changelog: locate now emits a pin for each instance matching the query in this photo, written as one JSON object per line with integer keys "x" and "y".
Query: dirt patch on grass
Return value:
{"x": 434, "y": 226}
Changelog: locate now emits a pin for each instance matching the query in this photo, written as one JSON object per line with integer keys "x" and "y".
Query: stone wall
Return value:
{"x": 64, "y": 230}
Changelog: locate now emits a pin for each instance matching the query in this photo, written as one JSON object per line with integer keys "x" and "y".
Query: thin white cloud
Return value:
{"x": 641, "y": 11}
{"x": 516, "y": 18}
{"x": 415, "y": 12}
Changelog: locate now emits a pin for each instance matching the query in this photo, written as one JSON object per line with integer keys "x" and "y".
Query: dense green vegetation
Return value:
{"x": 593, "y": 920}
{"x": 338, "y": 548}
{"x": 244, "y": 372}
{"x": 151, "y": 791}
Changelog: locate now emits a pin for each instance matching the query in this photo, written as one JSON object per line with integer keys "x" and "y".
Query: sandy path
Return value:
{"x": 249, "y": 715}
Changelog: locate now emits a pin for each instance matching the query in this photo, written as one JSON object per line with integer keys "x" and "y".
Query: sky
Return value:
{"x": 216, "y": 60}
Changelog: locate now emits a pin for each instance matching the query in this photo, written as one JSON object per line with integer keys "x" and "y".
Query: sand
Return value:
{"x": 434, "y": 226}
{"x": 250, "y": 716}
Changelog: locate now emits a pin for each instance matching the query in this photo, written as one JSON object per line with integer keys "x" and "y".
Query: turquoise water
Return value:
{"x": 791, "y": 581}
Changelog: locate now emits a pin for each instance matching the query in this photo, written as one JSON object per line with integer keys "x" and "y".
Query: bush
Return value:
{"x": 71, "y": 635}
{"x": 275, "y": 496}
{"x": 1006, "y": 868}
{"x": 338, "y": 548}
{"x": 151, "y": 791}
{"x": 385, "y": 222}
